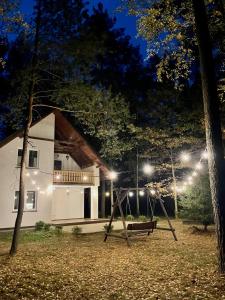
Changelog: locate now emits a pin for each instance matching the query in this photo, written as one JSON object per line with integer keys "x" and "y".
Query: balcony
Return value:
{"x": 73, "y": 177}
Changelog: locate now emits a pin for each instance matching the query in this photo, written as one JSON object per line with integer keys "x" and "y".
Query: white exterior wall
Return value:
{"x": 67, "y": 162}
{"x": 68, "y": 203}
{"x": 51, "y": 204}
{"x": 9, "y": 178}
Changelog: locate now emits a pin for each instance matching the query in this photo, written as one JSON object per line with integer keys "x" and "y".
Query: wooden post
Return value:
{"x": 103, "y": 198}
{"x": 167, "y": 217}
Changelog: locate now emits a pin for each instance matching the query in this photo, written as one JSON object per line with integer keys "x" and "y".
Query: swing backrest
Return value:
{"x": 142, "y": 226}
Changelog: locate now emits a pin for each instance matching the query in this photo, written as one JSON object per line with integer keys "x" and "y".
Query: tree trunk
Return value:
{"x": 137, "y": 184}
{"x": 174, "y": 184}
{"x": 212, "y": 126}
{"x": 19, "y": 217}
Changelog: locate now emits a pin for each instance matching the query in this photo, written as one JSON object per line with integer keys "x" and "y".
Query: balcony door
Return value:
{"x": 87, "y": 203}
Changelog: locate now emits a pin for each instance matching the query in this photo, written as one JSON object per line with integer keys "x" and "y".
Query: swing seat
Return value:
{"x": 147, "y": 227}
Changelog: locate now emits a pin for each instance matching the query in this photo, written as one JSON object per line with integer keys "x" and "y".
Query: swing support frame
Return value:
{"x": 121, "y": 194}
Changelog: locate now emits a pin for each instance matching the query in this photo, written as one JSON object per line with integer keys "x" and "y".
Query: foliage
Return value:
{"x": 59, "y": 229}
{"x": 47, "y": 226}
{"x": 142, "y": 218}
{"x": 106, "y": 226}
{"x": 196, "y": 203}
{"x": 129, "y": 217}
{"x": 40, "y": 225}
{"x": 168, "y": 26}
{"x": 76, "y": 230}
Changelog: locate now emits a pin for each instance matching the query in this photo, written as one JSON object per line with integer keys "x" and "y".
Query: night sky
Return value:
{"x": 123, "y": 19}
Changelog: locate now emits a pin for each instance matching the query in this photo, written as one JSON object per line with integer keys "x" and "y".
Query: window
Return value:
{"x": 33, "y": 159}
{"x": 30, "y": 201}
{"x": 57, "y": 164}
{"x": 19, "y": 157}
{"x": 16, "y": 202}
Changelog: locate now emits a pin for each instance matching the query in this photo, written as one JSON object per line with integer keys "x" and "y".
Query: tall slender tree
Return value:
{"x": 212, "y": 126}
{"x": 32, "y": 83}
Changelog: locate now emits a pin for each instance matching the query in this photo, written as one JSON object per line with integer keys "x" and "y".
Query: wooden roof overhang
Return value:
{"x": 70, "y": 141}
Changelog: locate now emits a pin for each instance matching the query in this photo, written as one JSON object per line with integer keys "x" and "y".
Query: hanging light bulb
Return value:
{"x": 141, "y": 193}
{"x": 153, "y": 192}
{"x": 205, "y": 155}
{"x": 131, "y": 194}
{"x": 185, "y": 157}
{"x": 199, "y": 166}
{"x": 113, "y": 175}
{"x": 148, "y": 169}
{"x": 107, "y": 194}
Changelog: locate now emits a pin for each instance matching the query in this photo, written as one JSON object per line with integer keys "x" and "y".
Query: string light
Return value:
{"x": 205, "y": 155}
{"x": 58, "y": 176}
{"x": 141, "y": 193}
{"x": 131, "y": 194}
{"x": 185, "y": 157}
{"x": 113, "y": 175}
{"x": 153, "y": 192}
{"x": 148, "y": 169}
{"x": 28, "y": 174}
{"x": 194, "y": 174}
{"x": 107, "y": 194}
{"x": 199, "y": 166}
{"x": 35, "y": 172}
{"x": 85, "y": 178}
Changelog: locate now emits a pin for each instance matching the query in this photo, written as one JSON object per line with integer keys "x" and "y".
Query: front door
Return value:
{"x": 87, "y": 203}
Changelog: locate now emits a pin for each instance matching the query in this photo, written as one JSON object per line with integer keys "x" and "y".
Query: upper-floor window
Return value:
{"x": 30, "y": 201}
{"x": 19, "y": 157}
{"x": 57, "y": 164}
{"x": 32, "y": 158}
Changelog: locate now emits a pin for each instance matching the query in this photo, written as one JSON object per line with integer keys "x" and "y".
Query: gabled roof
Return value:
{"x": 69, "y": 140}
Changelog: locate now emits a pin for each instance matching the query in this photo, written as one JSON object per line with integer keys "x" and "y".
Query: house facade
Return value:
{"x": 62, "y": 174}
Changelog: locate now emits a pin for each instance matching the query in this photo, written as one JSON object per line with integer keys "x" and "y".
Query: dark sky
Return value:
{"x": 123, "y": 19}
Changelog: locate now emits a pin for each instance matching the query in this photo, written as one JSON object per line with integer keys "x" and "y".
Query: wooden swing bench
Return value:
{"x": 139, "y": 228}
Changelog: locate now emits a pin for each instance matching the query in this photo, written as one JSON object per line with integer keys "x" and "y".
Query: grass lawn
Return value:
{"x": 68, "y": 267}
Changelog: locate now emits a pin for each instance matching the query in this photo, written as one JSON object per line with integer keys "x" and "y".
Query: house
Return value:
{"x": 62, "y": 174}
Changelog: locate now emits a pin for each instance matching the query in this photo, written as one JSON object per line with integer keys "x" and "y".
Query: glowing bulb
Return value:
{"x": 33, "y": 182}
{"x": 85, "y": 178}
{"x": 35, "y": 172}
{"x": 153, "y": 192}
{"x": 141, "y": 193}
{"x": 131, "y": 194}
{"x": 107, "y": 194}
{"x": 205, "y": 155}
{"x": 28, "y": 174}
{"x": 194, "y": 174}
{"x": 185, "y": 157}
{"x": 148, "y": 169}
{"x": 38, "y": 188}
{"x": 58, "y": 176}
{"x": 67, "y": 191}
{"x": 199, "y": 166}
{"x": 190, "y": 178}
{"x": 113, "y": 175}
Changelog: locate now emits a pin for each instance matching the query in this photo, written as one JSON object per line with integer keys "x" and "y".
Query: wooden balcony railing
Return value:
{"x": 73, "y": 177}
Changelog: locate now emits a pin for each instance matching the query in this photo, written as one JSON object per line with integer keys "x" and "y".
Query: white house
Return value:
{"x": 62, "y": 174}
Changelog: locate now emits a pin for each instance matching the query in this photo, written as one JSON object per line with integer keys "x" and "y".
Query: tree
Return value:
{"x": 196, "y": 203}
{"x": 181, "y": 20}
{"x": 32, "y": 83}
{"x": 212, "y": 126}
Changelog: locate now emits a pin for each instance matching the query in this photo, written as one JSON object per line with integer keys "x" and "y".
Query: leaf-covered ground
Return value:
{"x": 84, "y": 267}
